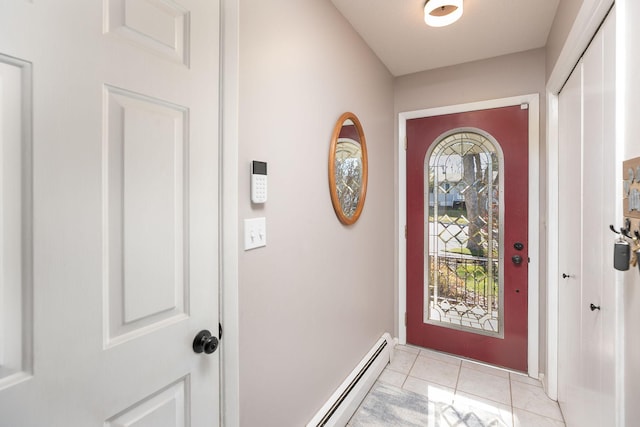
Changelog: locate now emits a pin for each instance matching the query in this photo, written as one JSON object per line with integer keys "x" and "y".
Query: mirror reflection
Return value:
{"x": 348, "y": 168}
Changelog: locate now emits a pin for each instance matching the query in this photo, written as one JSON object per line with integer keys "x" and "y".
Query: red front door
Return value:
{"x": 467, "y": 248}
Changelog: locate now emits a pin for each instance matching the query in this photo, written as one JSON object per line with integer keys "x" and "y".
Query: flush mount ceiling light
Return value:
{"x": 439, "y": 13}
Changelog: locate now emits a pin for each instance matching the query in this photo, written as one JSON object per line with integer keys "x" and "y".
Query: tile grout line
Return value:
{"x": 564, "y": 421}
{"x": 410, "y": 369}
{"x": 513, "y": 415}
{"x": 455, "y": 390}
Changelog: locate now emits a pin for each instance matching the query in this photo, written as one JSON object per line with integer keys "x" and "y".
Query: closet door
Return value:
{"x": 586, "y": 369}
{"x": 598, "y": 206}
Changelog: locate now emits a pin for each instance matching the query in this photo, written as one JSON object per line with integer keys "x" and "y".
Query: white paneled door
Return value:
{"x": 587, "y": 189}
{"x": 108, "y": 212}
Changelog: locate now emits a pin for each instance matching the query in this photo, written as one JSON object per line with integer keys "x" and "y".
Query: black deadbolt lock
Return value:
{"x": 518, "y": 246}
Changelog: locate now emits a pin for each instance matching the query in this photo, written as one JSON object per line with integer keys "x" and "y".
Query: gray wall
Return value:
{"x": 504, "y": 76}
{"x": 501, "y": 77}
{"x": 631, "y": 287}
{"x": 562, "y": 24}
{"x": 315, "y": 300}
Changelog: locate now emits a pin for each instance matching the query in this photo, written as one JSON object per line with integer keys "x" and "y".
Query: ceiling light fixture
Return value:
{"x": 440, "y": 13}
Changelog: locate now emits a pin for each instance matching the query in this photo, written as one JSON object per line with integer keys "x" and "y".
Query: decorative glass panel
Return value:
{"x": 463, "y": 212}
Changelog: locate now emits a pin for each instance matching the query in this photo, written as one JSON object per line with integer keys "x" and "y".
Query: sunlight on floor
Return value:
{"x": 425, "y": 388}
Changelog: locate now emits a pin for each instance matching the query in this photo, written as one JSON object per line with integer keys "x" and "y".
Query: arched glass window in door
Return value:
{"x": 463, "y": 232}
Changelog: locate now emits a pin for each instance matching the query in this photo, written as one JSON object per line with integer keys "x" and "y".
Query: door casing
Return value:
{"x": 534, "y": 215}
{"x": 229, "y": 223}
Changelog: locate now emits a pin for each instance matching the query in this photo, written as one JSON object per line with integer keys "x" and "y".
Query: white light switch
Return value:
{"x": 255, "y": 233}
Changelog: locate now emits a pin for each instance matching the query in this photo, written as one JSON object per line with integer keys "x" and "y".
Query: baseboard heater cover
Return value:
{"x": 345, "y": 400}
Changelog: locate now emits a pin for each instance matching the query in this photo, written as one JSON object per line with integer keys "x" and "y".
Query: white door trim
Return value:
{"x": 229, "y": 345}
{"x": 589, "y": 18}
{"x": 534, "y": 213}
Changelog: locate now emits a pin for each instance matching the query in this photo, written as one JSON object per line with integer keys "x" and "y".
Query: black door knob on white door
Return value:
{"x": 204, "y": 342}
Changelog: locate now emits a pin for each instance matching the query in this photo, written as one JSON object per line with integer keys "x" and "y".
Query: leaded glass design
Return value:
{"x": 463, "y": 212}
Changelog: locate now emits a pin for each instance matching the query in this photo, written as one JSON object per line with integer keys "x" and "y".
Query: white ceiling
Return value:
{"x": 396, "y": 32}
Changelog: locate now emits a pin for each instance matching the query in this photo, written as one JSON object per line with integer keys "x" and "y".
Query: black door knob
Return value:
{"x": 518, "y": 246}
{"x": 205, "y": 342}
{"x": 594, "y": 307}
{"x": 517, "y": 259}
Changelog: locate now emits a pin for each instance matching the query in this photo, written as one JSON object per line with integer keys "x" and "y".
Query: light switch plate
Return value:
{"x": 255, "y": 233}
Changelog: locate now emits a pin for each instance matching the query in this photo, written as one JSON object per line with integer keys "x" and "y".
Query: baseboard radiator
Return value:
{"x": 345, "y": 400}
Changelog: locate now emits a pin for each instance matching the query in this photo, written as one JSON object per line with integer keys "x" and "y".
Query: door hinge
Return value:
{"x": 405, "y": 318}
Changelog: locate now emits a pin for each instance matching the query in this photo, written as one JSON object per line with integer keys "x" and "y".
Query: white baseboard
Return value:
{"x": 344, "y": 402}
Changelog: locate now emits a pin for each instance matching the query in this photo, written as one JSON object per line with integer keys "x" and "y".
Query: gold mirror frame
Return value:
{"x": 340, "y": 187}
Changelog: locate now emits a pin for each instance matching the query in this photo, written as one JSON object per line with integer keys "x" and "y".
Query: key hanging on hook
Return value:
{"x": 621, "y": 249}
{"x": 621, "y": 255}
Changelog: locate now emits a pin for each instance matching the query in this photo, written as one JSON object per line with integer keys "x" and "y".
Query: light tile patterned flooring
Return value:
{"x": 421, "y": 387}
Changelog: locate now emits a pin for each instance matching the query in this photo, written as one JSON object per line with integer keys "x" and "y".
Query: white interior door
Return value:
{"x": 599, "y": 200}
{"x": 587, "y": 311}
{"x": 109, "y": 212}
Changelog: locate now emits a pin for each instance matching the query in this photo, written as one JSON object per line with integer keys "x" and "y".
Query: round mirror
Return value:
{"x": 348, "y": 168}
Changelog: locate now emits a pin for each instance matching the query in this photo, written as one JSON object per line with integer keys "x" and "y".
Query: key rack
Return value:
{"x": 631, "y": 207}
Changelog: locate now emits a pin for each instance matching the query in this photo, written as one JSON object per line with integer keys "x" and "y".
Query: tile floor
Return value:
{"x": 425, "y": 388}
